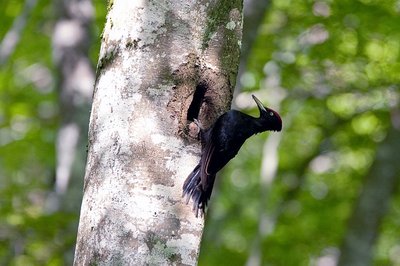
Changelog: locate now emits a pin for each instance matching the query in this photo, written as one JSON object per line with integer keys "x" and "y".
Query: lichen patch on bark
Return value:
{"x": 152, "y": 60}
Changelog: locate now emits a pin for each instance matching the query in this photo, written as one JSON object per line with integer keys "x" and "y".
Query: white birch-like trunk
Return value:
{"x": 71, "y": 42}
{"x": 153, "y": 55}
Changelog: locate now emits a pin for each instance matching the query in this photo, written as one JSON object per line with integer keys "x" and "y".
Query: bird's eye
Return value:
{"x": 271, "y": 113}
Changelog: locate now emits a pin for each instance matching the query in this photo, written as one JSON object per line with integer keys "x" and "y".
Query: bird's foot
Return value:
{"x": 195, "y": 128}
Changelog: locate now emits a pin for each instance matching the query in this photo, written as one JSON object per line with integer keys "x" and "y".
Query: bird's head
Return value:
{"x": 269, "y": 118}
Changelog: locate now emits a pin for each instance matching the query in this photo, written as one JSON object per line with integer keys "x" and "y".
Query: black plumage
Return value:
{"x": 220, "y": 143}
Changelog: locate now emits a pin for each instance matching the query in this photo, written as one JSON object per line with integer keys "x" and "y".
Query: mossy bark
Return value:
{"x": 151, "y": 61}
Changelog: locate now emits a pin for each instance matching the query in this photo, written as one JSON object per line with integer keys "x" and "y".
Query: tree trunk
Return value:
{"x": 254, "y": 13}
{"x": 153, "y": 56}
{"x": 71, "y": 42}
{"x": 13, "y": 35}
{"x": 372, "y": 204}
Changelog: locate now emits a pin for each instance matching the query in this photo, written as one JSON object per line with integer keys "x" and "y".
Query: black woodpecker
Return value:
{"x": 220, "y": 143}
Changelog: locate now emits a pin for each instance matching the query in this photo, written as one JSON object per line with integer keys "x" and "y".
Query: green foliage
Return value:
{"x": 337, "y": 63}
{"x": 29, "y": 118}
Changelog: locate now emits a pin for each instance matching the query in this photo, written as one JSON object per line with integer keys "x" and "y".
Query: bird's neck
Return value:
{"x": 253, "y": 126}
{"x": 258, "y": 125}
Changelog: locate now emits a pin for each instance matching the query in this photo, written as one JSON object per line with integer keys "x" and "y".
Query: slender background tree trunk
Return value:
{"x": 13, "y": 36}
{"x": 373, "y": 203}
{"x": 71, "y": 41}
{"x": 254, "y": 13}
{"x": 153, "y": 56}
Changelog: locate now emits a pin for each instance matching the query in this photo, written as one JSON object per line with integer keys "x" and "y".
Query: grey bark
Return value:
{"x": 373, "y": 203}
{"x": 153, "y": 55}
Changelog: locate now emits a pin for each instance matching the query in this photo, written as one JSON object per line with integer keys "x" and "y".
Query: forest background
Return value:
{"x": 331, "y": 68}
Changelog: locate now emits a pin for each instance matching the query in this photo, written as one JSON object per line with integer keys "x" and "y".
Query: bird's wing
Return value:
{"x": 206, "y": 158}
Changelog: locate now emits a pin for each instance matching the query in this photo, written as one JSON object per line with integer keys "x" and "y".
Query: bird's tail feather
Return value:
{"x": 192, "y": 189}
